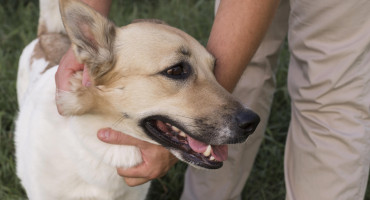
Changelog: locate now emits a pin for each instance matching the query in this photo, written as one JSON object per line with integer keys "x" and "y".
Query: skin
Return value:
{"x": 237, "y": 31}
{"x": 150, "y": 168}
{"x": 68, "y": 64}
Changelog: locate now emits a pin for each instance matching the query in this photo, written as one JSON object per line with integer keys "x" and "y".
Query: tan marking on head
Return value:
{"x": 51, "y": 47}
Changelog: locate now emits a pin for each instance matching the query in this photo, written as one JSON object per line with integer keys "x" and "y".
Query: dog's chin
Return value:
{"x": 173, "y": 136}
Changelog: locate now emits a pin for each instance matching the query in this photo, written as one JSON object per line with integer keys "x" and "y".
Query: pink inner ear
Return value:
{"x": 87, "y": 34}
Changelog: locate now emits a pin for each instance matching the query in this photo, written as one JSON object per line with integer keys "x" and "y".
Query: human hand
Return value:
{"x": 157, "y": 160}
{"x": 68, "y": 66}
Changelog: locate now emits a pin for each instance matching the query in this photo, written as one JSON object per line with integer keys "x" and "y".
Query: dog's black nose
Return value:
{"x": 248, "y": 121}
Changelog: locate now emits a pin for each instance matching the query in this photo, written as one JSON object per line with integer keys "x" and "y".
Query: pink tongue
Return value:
{"x": 196, "y": 145}
{"x": 219, "y": 152}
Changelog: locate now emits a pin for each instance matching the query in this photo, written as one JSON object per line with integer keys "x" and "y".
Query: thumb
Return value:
{"x": 111, "y": 136}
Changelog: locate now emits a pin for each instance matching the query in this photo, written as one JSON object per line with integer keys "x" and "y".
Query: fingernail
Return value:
{"x": 104, "y": 134}
{"x": 88, "y": 84}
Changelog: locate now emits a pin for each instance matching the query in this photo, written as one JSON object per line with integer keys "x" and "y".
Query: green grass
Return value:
{"x": 17, "y": 28}
{"x": 18, "y": 22}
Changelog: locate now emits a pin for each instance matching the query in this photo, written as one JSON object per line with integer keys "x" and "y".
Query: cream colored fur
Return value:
{"x": 60, "y": 157}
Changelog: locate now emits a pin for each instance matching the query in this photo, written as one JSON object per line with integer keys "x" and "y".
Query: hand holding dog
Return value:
{"x": 68, "y": 66}
{"x": 157, "y": 160}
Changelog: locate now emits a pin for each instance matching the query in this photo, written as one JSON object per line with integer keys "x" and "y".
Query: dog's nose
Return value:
{"x": 248, "y": 121}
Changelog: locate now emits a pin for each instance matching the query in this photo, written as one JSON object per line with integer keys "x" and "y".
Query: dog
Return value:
{"x": 149, "y": 80}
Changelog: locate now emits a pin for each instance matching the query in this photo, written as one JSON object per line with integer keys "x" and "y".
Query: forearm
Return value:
{"x": 237, "y": 31}
{"x": 102, "y": 6}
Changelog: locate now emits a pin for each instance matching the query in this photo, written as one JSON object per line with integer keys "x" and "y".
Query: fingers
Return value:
{"x": 139, "y": 174}
{"x": 135, "y": 181}
{"x": 68, "y": 66}
{"x": 157, "y": 160}
{"x": 140, "y": 171}
{"x": 114, "y": 137}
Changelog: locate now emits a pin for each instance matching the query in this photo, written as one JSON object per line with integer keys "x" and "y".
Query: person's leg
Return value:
{"x": 255, "y": 89}
{"x": 328, "y": 146}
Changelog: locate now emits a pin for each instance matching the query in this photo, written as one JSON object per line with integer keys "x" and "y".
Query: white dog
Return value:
{"x": 149, "y": 80}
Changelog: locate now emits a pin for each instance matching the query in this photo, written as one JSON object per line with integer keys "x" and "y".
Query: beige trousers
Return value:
{"x": 327, "y": 153}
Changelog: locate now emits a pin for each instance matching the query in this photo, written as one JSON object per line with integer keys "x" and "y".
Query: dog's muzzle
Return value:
{"x": 194, "y": 149}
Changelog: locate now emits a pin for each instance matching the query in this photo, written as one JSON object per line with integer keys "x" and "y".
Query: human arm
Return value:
{"x": 102, "y": 6}
{"x": 233, "y": 44}
{"x": 160, "y": 159}
{"x": 237, "y": 31}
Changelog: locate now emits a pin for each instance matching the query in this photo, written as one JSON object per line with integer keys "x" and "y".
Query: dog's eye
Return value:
{"x": 178, "y": 71}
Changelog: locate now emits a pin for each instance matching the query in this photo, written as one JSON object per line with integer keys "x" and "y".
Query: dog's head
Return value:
{"x": 156, "y": 79}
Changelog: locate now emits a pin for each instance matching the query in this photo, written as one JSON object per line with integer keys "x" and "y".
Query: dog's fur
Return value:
{"x": 133, "y": 91}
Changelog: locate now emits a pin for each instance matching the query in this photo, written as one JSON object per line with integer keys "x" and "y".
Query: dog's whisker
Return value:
{"x": 118, "y": 121}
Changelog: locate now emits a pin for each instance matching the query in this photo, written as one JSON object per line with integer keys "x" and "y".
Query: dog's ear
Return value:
{"x": 92, "y": 36}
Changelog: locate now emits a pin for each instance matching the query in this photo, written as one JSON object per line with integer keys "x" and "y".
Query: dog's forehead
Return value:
{"x": 154, "y": 31}
{"x": 159, "y": 43}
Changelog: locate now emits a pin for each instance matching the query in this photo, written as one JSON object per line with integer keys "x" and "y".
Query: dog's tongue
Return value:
{"x": 219, "y": 152}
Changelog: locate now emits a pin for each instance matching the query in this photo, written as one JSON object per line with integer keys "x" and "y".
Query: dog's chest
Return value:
{"x": 60, "y": 158}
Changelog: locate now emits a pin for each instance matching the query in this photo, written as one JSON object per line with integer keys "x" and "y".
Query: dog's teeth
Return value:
{"x": 208, "y": 151}
{"x": 176, "y": 129}
{"x": 182, "y": 134}
{"x": 212, "y": 158}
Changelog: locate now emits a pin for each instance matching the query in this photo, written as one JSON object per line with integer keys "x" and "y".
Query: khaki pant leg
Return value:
{"x": 328, "y": 146}
{"x": 255, "y": 89}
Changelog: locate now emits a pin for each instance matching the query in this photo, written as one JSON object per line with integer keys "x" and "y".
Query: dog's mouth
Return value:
{"x": 193, "y": 151}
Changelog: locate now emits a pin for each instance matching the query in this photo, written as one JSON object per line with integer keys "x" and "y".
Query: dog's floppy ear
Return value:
{"x": 91, "y": 34}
